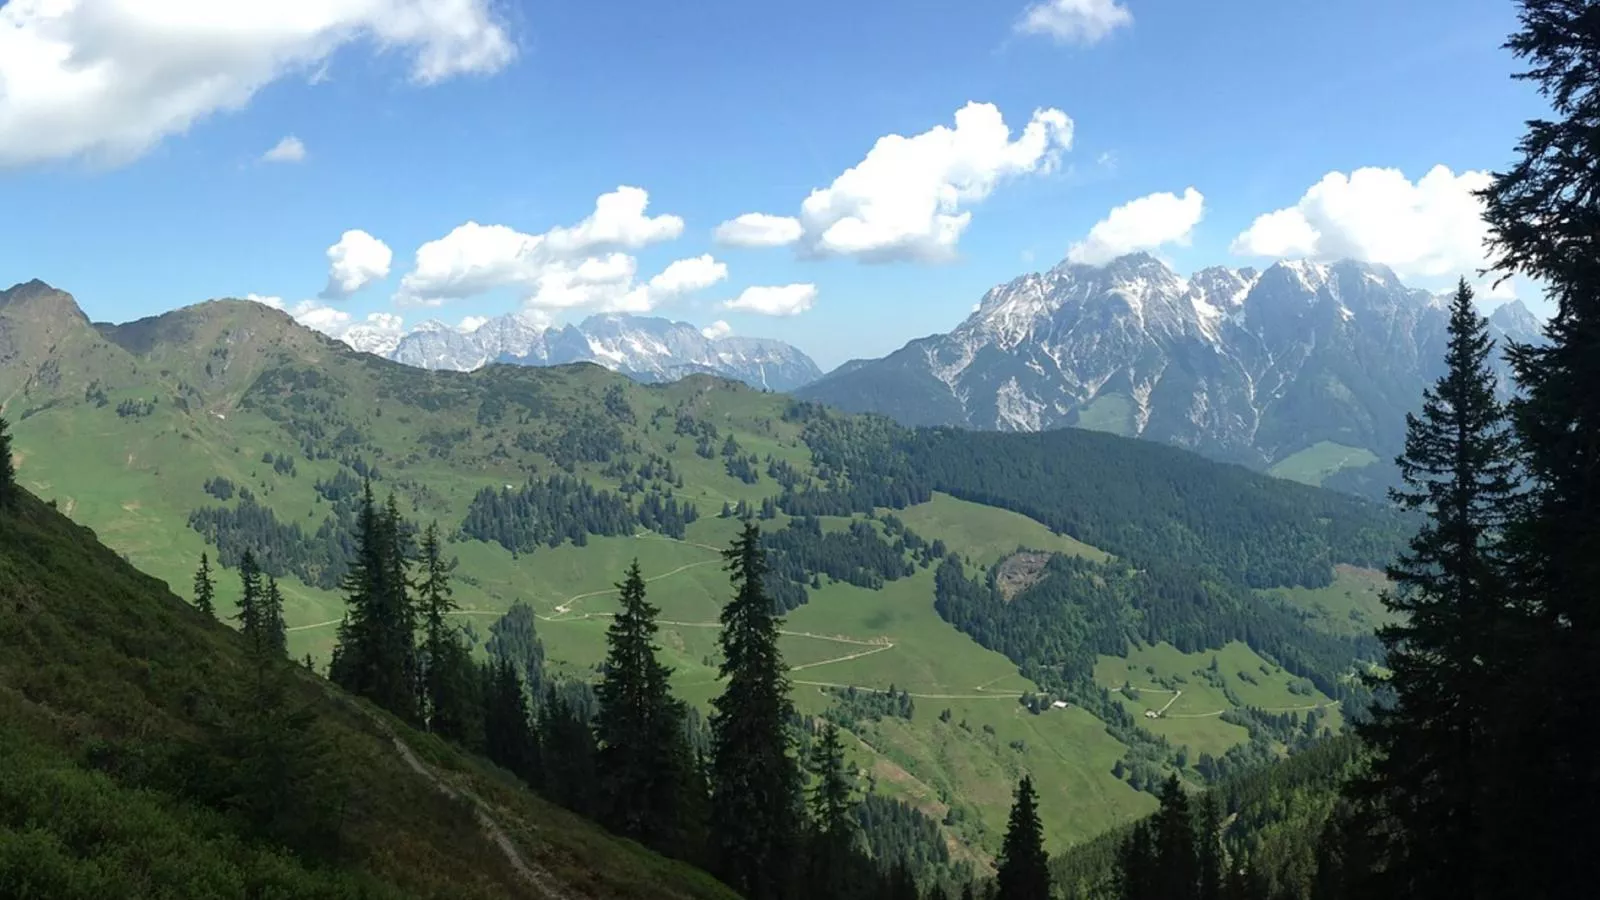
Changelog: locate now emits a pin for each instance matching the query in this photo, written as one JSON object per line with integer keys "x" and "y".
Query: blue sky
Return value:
{"x": 133, "y": 175}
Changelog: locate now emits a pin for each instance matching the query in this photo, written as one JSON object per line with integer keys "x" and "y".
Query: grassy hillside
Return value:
{"x": 1316, "y": 463}
{"x": 107, "y": 681}
{"x": 231, "y": 412}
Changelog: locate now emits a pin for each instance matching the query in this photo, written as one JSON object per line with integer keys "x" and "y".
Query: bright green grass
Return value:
{"x": 1351, "y": 605}
{"x": 1193, "y": 717}
{"x": 985, "y": 534}
{"x": 1108, "y": 412}
{"x": 1315, "y": 463}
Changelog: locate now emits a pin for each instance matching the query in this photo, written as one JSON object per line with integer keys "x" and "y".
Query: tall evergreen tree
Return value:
{"x": 1177, "y": 863}
{"x": 508, "y": 733}
{"x": 755, "y": 782}
{"x": 376, "y": 656}
{"x": 8, "y": 468}
{"x": 1451, "y": 620}
{"x": 644, "y": 758}
{"x": 1024, "y": 866}
{"x": 833, "y": 824}
{"x": 448, "y": 675}
{"x": 205, "y": 590}
{"x": 274, "y": 632}
{"x": 1544, "y": 221}
{"x": 252, "y": 622}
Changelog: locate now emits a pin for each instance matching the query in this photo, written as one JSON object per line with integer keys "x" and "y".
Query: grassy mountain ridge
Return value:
{"x": 226, "y": 425}
{"x": 114, "y": 699}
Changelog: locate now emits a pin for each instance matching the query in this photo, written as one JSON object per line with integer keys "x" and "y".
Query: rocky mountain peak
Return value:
{"x": 1245, "y": 365}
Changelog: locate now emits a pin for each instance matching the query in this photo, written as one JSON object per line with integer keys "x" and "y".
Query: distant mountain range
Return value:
{"x": 1305, "y": 369}
{"x": 645, "y": 348}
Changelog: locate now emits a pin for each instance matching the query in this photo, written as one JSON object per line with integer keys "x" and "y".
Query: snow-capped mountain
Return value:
{"x": 1243, "y": 365}
{"x": 646, "y": 348}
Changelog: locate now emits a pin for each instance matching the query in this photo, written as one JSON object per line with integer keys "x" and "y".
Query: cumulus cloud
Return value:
{"x": 274, "y": 302}
{"x": 1144, "y": 224}
{"x": 471, "y": 323}
{"x": 357, "y": 260}
{"x": 759, "y": 230}
{"x": 1432, "y": 228}
{"x": 1081, "y": 22}
{"x": 687, "y": 276}
{"x": 717, "y": 329}
{"x": 288, "y": 150}
{"x": 109, "y": 79}
{"x": 909, "y": 198}
{"x": 785, "y": 300}
{"x": 475, "y": 259}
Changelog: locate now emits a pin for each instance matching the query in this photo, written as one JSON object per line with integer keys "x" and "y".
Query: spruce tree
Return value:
{"x": 1024, "y": 867}
{"x": 447, "y": 672}
{"x": 755, "y": 782}
{"x": 376, "y": 655}
{"x": 274, "y": 633}
{"x": 833, "y": 824}
{"x": 1444, "y": 652}
{"x": 8, "y": 468}
{"x": 643, "y": 758}
{"x": 205, "y": 590}
{"x": 250, "y": 615}
{"x": 508, "y": 734}
{"x": 1177, "y": 863}
{"x": 1544, "y": 223}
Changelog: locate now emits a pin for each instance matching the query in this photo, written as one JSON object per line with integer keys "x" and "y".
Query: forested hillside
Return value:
{"x": 226, "y": 429}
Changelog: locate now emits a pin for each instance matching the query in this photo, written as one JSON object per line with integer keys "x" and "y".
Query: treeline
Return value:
{"x": 564, "y": 508}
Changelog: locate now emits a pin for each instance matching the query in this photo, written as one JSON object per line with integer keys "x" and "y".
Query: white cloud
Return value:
{"x": 787, "y": 300}
{"x": 687, "y": 276}
{"x": 717, "y": 329}
{"x": 1429, "y": 229}
{"x": 759, "y": 230}
{"x": 909, "y": 198}
{"x": 357, "y": 260}
{"x": 471, "y": 323}
{"x": 109, "y": 79}
{"x": 326, "y": 319}
{"x": 1144, "y": 224}
{"x": 1082, "y": 22}
{"x": 289, "y": 150}
{"x": 274, "y": 302}
{"x": 475, "y": 259}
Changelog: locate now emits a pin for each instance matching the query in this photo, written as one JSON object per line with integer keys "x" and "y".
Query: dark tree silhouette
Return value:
{"x": 643, "y": 759}
{"x": 1445, "y": 654}
{"x": 755, "y": 783}
{"x": 205, "y": 590}
{"x": 1024, "y": 870}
